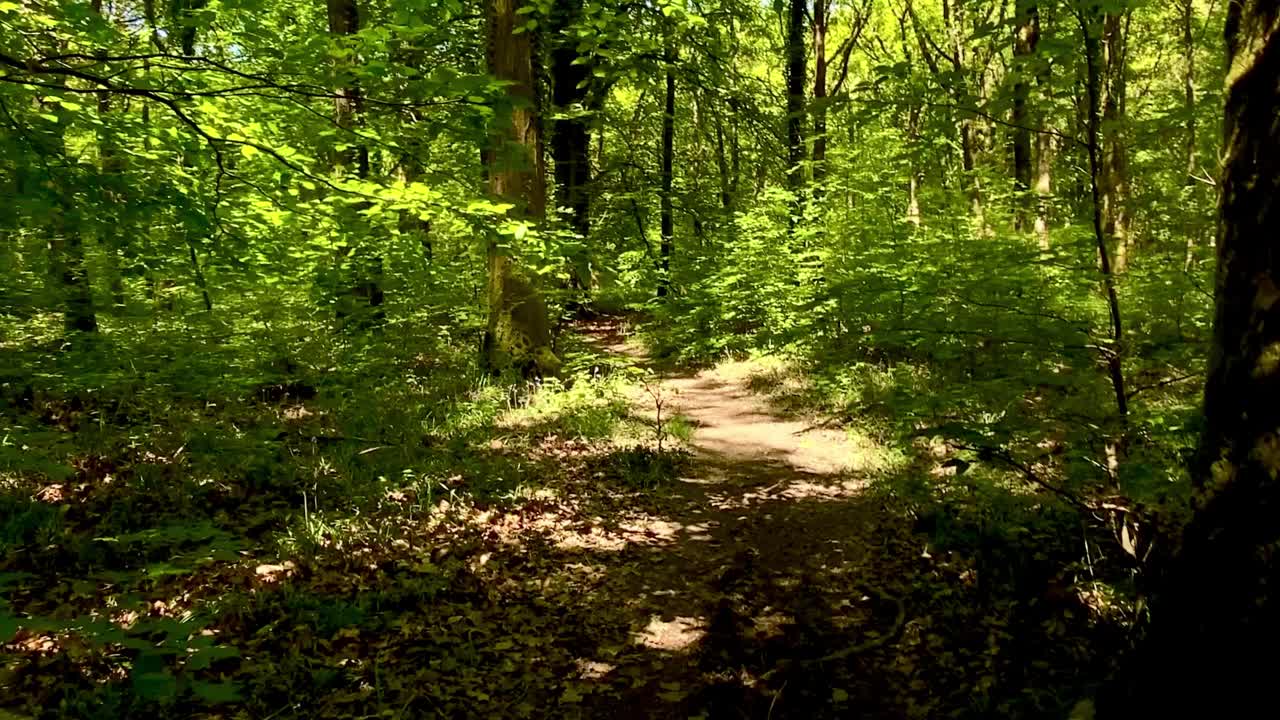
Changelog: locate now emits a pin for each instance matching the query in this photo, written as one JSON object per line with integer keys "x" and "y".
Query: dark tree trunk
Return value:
{"x": 722, "y": 165}
{"x": 795, "y": 97}
{"x": 1215, "y": 620}
{"x": 1026, "y": 36}
{"x": 571, "y": 136}
{"x": 66, "y": 254}
{"x": 1112, "y": 354}
{"x": 668, "y": 157}
{"x": 1189, "y": 85}
{"x": 819, "y": 95}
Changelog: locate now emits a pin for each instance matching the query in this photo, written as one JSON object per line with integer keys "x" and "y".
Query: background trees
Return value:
{"x": 985, "y": 229}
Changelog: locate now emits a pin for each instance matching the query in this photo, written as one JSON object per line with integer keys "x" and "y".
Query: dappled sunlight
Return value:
{"x": 679, "y": 634}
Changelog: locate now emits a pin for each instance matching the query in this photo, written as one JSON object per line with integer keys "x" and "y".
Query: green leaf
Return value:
{"x": 155, "y": 685}
{"x": 216, "y": 692}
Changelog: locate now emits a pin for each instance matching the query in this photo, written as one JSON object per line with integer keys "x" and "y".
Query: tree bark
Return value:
{"x": 111, "y": 164}
{"x": 66, "y": 245}
{"x": 365, "y": 287}
{"x": 953, "y": 17}
{"x": 1026, "y": 36}
{"x": 1189, "y": 108}
{"x": 1189, "y": 85}
{"x": 1113, "y": 355}
{"x": 1115, "y": 154}
{"x": 722, "y": 165}
{"x": 571, "y": 136}
{"x": 518, "y": 332}
{"x": 1044, "y": 185}
{"x": 668, "y": 158}
{"x": 1215, "y": 624}
{"x": 185, "y": 18}
{"x": 819, "y": 95}
{"x": 913, "y": 172}
{"x": 795, "y": 76}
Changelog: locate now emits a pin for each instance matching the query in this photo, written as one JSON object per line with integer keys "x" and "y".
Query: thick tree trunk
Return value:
{"x": 1210, "y": 650}
{"x": 668, "y": 157}
{"x": 571, "y": 136}
{"x": 518, "y": 331}
{"x": 795, "y": 76}
{"x": 1026, "y": 36}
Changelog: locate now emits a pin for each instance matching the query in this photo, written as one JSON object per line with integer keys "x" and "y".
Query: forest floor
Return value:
{"x": 755, "y": 569}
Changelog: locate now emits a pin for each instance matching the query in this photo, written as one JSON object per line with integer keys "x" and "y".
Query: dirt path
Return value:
{"x": 768, "y": 541}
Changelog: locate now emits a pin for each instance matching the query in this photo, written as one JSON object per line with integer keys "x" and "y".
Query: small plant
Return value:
{"x": 645, "y": 468}
{"x": 664, "y": 426}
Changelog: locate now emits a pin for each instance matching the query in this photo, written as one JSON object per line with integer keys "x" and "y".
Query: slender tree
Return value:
{"x": 352, "y": 157}
{"x": 795, "y": 78}
{"x": 1115, "y": 152}
{"x": 668, "y": 167}
{"x": 1026, "y": 36}
{"x": 571, "y": 74}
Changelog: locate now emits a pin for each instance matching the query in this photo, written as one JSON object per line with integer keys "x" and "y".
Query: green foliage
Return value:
{"x": 26, "y": 521}
{"x": 285, "y": 355}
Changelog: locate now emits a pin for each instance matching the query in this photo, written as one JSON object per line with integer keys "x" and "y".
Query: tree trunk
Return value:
{"x": 668, "y": 151}
{"x": 111, "y": 164}
{"x": 184, "y": 16}
{"x": 1215, "y": 624}
{"x": 571, "y": 136}
{"x": 1044, "y": 185}
{"x": 1044, "y": 160}
{"x": 913, "y": 172}
{"x": 1113, "y": 354}
{"x": 1189, "y": 108}
{"x": 1026, "y": 36}
{"x": 819, "y": 95}
{"x": 1115, "y": 157}
{"x": 518, "y": 332}
{"x": 953, "y": 19}
{"x": 66, "y": 245}
{"x": 364, "y": 286}
{"x": 795, "y": 72}
{"x": 722, "y": 165}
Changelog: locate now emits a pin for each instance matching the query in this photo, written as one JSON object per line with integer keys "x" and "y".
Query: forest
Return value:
{"x": 682, "y": 359}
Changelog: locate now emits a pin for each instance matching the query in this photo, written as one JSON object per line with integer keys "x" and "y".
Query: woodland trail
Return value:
{"x": 772, "y": 557}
